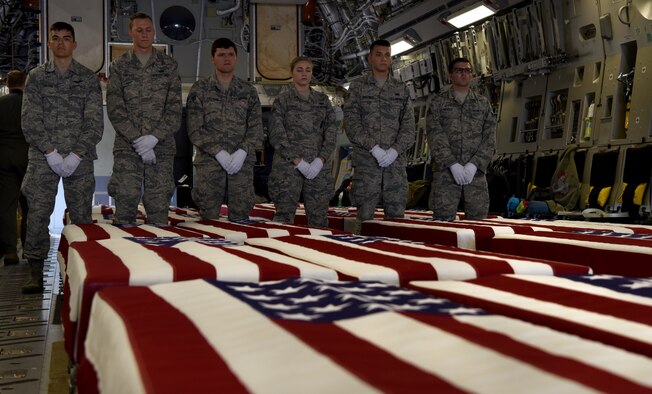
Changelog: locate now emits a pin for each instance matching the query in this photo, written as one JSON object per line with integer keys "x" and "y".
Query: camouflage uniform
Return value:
{"x": 303, "y": 128}
{"x": 143, "y": 100}
{"x": 63, "y": 111}
{"x": 382, "y": 116}
{"x": 226, "y": 120}
{"x": 460, "y": 133}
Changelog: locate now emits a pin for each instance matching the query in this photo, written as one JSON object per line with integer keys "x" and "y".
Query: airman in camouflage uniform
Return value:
{"x": 302, "y": 132}
{"x": 225, "y": 125}
{"x": 144, "y": 106}
{"x": 62, "y": 122}
{"x": 379, "y": 121}
{"x": 461, "y": 130}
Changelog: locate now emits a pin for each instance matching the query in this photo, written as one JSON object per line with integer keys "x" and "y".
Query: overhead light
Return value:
{"x": 401, "y": 46}
{"x": 406, "y": 42}
{"x": 466, "y": 16}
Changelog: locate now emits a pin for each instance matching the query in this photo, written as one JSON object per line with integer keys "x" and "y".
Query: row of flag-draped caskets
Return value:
{"x": 285, "y": 339}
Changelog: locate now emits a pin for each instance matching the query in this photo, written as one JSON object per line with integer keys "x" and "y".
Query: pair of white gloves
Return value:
{"x": 310, "y": 170}
{"x": 63, "y": 167}
{"x": 232, "y": 163}
{"x": 463, "y": 175}
{"x": 144, "y": 146}
{"x": 384, "y": 157}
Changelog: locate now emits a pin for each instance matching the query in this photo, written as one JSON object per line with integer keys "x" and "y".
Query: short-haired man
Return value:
{"x": 379, "y": 121}
{"x": 461, "y": 129}
{"x": 62, "y": 121}
{"x": 144, "y": 105}
{"x": 225, "y": 125}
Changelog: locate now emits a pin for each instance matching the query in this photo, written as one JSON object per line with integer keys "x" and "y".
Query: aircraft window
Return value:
{"x": 177, "y": 23}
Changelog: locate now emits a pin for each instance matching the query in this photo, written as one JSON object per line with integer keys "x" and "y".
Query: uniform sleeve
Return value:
{"x": 278, "y": 134}
{"x": 116, "y": 106}
{"x": 32, "y": 115}
{"x": 254, "y": 134}
{"x": 487, "y": 146}
{"x": 170, "y": 120}
{"x": 353, "y": 123}
{"x": 197, "y": 133}
{"x": 407, "y": 128}
{"x": 93, "y": 123}
{"x": 329, "y": 136}
{"x": 438, "y": 143}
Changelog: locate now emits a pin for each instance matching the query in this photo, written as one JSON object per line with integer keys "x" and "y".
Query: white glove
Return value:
{"x": 469, "y": 172}
{"x": 458, "y": 173}
{"x": 145, "y": 143}
{"x": 378, "y": 153}
{"x": 303, "y": 167}
{"x": 314, "y": 169}
{"x": 237, "y": 160}
{"x": 70, "y": 164}
{"x": 149, "y": 157}
{"x": 389, "y": 158}
{"x": 54, "y": 161}
{"x": 224, "y": 159}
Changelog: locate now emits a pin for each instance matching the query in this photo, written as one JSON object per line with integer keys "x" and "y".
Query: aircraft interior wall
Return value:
{"x": 559, "y": 73}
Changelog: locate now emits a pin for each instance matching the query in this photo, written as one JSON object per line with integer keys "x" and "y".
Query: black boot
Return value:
{"x": 35, "y": 283}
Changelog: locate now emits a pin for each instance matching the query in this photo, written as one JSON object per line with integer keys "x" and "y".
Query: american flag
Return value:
{"x": 91, "y": 232}
{"x": 244, "y": 229}
{"x": 612, "y": 309}
{"x": 605, "y": 254}
{"x": 399, "y": 262}
{"x": 307, "y": 336}
{"x": 459, "y": 233}
{"x": 132, "y": 261}
{"x": 573, "y": 225}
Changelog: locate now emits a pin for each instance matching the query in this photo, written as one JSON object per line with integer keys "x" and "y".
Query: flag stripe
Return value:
{"x": 269, "y": 269}
{"x": 524, "y": 352}
{"x": 68, "y": 326}
{"x": 451, "y": 355}
{"x": 482, "y": 264}
{"x": 608, "y": 239}
{"x": 363, "y": 264}
{"x": 257, "y": 356}
{"x": 347, "y": 268}
{"x": 145, "y": 266}
{"x": 215, "y": 232}
{"x": 475, "y": 235}
{"x": 624, "y": 364}
{"x": 117, "y": 347}
{"x": 632, "y": 336}
{"x": 375, "y": 366}
{"x": 184, "y": 266}
{"x": 463, "y": 238}
{"x": 98, "y": 260}
{"x": 151, "y": 321}
{"x": 569, "y": 298}
{"x": 601, "y": 257}
{"x": 569, "y": 283}
{"x": 571, "y": 225}
{"x": 448, "y": 264}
